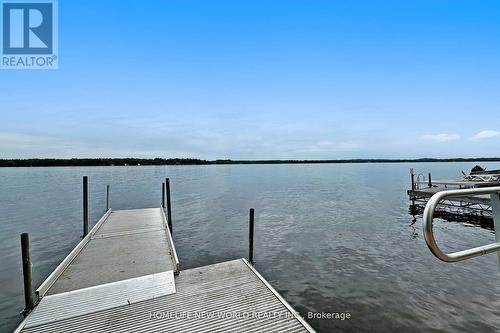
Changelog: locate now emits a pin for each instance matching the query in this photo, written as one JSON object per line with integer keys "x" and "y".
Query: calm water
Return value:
{"x": 328, "y": 237}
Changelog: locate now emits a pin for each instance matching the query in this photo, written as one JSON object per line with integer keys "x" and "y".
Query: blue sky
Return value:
{"x": 262, "y": 80}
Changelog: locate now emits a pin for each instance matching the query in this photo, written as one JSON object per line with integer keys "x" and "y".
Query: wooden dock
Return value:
{"x": 124, "y": 276}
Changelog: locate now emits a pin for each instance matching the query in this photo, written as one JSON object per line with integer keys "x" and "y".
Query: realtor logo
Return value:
{"x": 29, "y": 34}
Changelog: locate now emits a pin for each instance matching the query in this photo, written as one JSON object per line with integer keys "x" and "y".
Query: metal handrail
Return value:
{"x": 428, "y": 220}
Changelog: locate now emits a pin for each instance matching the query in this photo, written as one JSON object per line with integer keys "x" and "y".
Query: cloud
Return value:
{"x": 347, "y": 146}
{"x": 486, "y": 134}
{"x": 442, "y": 137}
{"x": 17, "y": 145}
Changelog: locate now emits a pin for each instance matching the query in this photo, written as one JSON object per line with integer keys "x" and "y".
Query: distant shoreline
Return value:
{"x": 190, "y": 161}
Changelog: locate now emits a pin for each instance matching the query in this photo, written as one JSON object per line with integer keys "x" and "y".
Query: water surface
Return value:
{"x": 329, "y": 237}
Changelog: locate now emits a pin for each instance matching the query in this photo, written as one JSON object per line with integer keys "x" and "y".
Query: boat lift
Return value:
{"x": 472, "y": 207}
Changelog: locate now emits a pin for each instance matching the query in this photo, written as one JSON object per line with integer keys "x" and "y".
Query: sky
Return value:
{"x": 261, "y": 80}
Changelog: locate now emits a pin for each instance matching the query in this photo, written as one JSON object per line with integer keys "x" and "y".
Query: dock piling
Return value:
{"x": 250, "y": 235}
{"x": 430, "y": 180}
{"x": 169, "y": 206}
{"x": 85, "y": 206}
{"x": 107, "y": 197}
{"x": 162, "y": 195}
{"x": 26, "y": 261}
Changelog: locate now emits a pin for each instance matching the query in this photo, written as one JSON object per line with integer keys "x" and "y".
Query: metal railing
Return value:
{"x": 469, "y": 253}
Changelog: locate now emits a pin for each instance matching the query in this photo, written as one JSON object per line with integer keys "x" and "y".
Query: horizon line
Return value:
{"x": 135, "y": 161}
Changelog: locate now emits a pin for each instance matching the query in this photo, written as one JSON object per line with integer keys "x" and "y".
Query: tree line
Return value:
{"x": 53, "y": 162}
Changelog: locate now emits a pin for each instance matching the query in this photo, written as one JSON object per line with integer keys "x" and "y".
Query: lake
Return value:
{"x": 329, "y": 237}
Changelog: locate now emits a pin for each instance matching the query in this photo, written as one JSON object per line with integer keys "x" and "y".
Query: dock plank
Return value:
{"x": 129, "y": 244}
{"x": 429, "y": 192}
{"x": 225, "y": 297}
{"x": 132, "y": 219}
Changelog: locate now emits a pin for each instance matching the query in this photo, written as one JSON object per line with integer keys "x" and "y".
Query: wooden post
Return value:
{"x": 107, "y": 197}
{"x": 169, "y": 206}
{"x": 250, "y": 235}
{"x": 28, "y": 290}
{"x": 162, "y": 195}
{"x": 430, "y": 180}
{"x": 412, "y": 179}
{"x": 85, "y": 206}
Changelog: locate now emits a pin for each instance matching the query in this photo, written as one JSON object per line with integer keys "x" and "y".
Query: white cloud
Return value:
{"x": 322, "y": 149}
{"x": 348, "y": 145}
{"x": 486, "y": 134}
{"x": 16, "y": 145}
{"x": 442, "y": 137}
